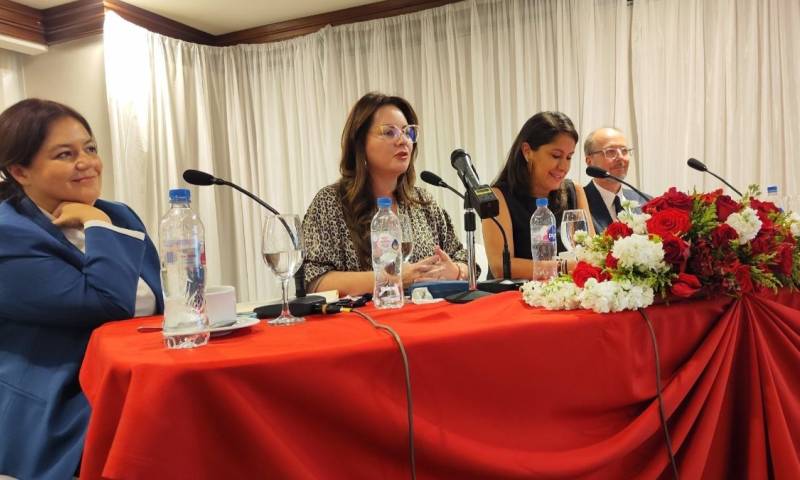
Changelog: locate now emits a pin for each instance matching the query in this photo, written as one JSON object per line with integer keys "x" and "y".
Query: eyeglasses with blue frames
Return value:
{"x": 393, "y": 132}
{"x": 612, "y": 153}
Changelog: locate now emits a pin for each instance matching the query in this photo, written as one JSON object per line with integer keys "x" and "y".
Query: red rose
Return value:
{"x": 701, "y": 262}
{"x": 584, "y": 271}
{"x": 618, "y": 230}
{"x": 725, "y": 206}
{"x": 676, "y": 250}
{"x": 763, "y": 207}
{"x": 743, "y": 280}
{"x": 710, "y": 197}
{"x": 611, "y": 261}
{"x": 785, "y": 258}
{"x": 671, "y": 199}
{"x": 679, "y": 200}
{"x": 669, "y": 221}
{"x": 722, "y": 235}
{"x": 685, "y": 285}
{"x": 763, "y": 242}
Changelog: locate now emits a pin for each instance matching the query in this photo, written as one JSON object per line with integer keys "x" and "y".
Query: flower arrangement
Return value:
{"x": 678, "y": 245}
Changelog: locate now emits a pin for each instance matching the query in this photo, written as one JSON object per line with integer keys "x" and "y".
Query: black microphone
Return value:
{"x": 598, "y": 172}
{"x": 196, "y": 177}
{"x": 701, "y": 167}
{"x": 480, "y": 197}
{"x": 433, "y": 179}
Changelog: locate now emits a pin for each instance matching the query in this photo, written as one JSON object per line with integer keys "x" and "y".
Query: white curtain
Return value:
{"x": 12, "y": 80}
{"x": 269, "y": 117}
{"x": 719, "y": 81}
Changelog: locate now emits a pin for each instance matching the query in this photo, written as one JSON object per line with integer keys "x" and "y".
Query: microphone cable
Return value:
{"x": 409, "y": 399}
{"x": 661, "y": 414}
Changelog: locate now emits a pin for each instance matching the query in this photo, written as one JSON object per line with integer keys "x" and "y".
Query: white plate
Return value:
{"x": 243, "y": 321}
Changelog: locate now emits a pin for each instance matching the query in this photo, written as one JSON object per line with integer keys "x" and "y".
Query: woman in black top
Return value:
{"x": 536, "y": 167}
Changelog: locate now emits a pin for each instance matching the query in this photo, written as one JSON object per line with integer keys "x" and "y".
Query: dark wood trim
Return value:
{"x": 158, "y": 24}
{"x": 302, "y": 26}
{"x": 83, "y": 18}
{"x": 73, "y": 20}
{"x": 20, "y": 21}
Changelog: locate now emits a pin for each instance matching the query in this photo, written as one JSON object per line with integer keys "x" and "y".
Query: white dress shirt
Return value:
{"x": 608, "y": 198}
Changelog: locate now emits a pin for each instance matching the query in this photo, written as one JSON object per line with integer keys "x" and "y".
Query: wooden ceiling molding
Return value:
{"x": 72, "y": 21}
{"x": 83, "y": 18}
{"x": 22, "y": 22}
{"x": 158, "y": 24}
{"x": 302, "y": 26}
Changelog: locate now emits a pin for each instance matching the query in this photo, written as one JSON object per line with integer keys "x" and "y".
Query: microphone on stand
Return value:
{"x": 598, "y": 172}
{"x": 701, "y": 167}
{"x": 480, "y": 197}
{"x": 435, "y": 180}
{"x": 196, "y": 177}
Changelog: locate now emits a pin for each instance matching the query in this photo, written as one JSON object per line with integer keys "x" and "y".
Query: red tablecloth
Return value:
{"x": 500, "y": 390}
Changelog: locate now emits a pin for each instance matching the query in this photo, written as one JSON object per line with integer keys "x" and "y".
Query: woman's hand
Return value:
{"x": 438, "y": 266}
{"x": 73, "y": 214}
{"x": 420, "y": 271}
{"x": 448, "y": 268}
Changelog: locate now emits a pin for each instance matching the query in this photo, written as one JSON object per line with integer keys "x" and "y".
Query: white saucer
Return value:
{"x": 242, "y": 321}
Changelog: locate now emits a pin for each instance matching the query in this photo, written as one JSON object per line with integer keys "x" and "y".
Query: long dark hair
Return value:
{"x": 539, "y": 130}
{"x": 354, "y": 187}
{"x": 23, "y": 129}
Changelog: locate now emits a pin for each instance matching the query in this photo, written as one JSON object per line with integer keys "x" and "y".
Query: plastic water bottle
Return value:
{"x": 783, "y": 202}
{"x": 386, "y": 235}
{"x": 543, "y": 242}
{"x": 183, "y": 274}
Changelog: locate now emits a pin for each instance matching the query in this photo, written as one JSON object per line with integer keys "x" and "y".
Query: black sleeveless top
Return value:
{"x": 521, "y": 207}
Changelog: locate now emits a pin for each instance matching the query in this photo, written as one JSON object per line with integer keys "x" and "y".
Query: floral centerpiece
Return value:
{"x": 678, "y": 245}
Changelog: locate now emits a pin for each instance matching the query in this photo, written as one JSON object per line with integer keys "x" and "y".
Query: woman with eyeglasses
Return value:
{"x": 69, "y": 262}
{"x": 536, "y": 167}
{"x": 378, "y": 153}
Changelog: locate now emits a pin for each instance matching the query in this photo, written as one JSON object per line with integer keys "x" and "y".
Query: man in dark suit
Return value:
{"x": 607, "y": 148}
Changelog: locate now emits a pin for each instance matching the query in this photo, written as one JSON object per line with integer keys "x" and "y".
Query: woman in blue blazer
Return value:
{"x": 68, "y": 263}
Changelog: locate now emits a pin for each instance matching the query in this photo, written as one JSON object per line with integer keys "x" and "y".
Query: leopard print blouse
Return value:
{"x": 328, "y": 246}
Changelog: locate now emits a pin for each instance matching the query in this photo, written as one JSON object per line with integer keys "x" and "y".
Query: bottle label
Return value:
{"x": 551, "y": 234}
{"x": 387, "y": 247}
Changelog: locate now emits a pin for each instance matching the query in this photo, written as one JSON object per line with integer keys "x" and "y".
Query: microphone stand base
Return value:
{"x": 466, "y": 297}
{"x": 500, "y": 285}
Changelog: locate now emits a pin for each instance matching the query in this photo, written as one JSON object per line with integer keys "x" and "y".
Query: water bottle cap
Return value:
{"x": 541, "y": 202}
{"x": 180, "y": 195}
{"x": 384, "y": 202}
{"x": 772, "y": 189}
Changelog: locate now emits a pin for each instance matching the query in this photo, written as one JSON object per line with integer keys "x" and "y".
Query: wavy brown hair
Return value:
{"x": 23, "y": 129}
{"x": 539, "y": 130}
{"x": 354, "y": 187}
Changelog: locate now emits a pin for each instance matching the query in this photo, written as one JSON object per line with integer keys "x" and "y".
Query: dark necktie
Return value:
{"x": 617, "y": 205}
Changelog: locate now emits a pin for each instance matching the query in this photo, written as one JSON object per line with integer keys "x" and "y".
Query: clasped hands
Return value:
{"x": 438, "y": 266}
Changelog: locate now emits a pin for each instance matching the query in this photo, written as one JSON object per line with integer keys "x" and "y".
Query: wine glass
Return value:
{"x": 407, "y": 247}
{"x": 282, "y": 249}
{"x": 572, "y": 221}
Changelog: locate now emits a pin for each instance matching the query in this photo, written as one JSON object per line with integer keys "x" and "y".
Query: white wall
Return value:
{"x": 73, "y": 73}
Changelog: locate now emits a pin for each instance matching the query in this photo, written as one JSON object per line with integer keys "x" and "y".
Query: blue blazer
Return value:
{"x": 51, "y": 298}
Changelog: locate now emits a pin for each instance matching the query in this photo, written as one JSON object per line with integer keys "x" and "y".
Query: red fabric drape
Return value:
{"x": 501, "y": 390}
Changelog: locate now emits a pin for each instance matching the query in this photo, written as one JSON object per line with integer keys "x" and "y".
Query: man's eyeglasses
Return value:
{"x": 393, "y": 132}
{"x": 612, "y": 153}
